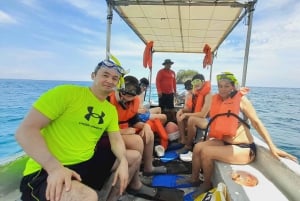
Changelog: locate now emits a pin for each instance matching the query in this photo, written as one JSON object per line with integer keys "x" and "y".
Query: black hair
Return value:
{"x": 130, "y": 82}
{"x": 188, "y": 85}
{"x": 144, "y": 81}
{"x": 198, "y": 76}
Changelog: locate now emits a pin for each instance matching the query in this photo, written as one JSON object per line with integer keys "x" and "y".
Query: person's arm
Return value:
{"x": 158, "y": 86}
{"x": 119, "y": 150}
{"x": 250, "y": 112}
{"x": 174, "y": 84}
{"x": 142, "y": 109}
{"x": 30, "y": 138}
{"x": 205, "y": 108}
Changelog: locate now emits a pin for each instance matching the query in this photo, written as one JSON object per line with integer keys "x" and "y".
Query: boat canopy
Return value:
{"x": 183, "y": 26}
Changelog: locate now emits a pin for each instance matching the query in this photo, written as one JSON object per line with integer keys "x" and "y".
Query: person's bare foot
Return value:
{"x": 204, "y": 187}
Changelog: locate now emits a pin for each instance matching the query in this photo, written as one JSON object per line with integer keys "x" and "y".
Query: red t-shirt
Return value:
{"x": 166, "y": 81}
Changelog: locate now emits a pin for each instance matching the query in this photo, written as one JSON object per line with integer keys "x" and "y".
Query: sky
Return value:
{"x": 66, "y": 39}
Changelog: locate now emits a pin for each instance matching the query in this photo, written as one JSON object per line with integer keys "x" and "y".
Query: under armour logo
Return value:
{"x": 94, "y": 115}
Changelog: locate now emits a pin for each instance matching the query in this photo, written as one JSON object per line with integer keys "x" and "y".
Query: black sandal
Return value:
{"x": 161, "y": 194}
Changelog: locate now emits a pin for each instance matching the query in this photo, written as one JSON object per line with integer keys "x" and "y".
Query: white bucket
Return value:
{"x": 159, "y": 150}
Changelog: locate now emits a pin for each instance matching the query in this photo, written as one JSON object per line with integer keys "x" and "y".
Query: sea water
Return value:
{"x": 278, "y": 108}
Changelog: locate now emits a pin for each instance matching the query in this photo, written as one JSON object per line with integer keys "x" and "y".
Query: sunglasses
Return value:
{"x": 128, "y": 92}
{"x": 110, "y": 64}
{"x": 196, "y": 82}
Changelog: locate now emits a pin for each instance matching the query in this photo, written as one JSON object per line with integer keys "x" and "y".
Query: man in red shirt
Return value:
{"x": 166, "y": 85}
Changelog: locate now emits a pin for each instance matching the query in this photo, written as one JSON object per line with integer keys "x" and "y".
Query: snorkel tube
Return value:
{"x": 121, "y": 83}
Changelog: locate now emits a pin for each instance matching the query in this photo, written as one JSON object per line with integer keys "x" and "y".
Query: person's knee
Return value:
{"x": 198, "y": 147}
{"x": 80, "y": 192}
{"x": 139, "y": 145}
{"x": 150, "y": 136}
{"x": 133, "y": 156}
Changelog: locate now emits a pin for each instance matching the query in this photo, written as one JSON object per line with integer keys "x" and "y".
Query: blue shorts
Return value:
{"x": 144, "y": 116}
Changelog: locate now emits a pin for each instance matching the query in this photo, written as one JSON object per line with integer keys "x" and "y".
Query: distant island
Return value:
{"x": 184, "y": 75}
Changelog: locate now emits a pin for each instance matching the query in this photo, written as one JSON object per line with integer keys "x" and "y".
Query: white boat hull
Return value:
{"x": 277, "y": 180}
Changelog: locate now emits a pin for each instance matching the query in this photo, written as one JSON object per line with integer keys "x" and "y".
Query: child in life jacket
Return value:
{"x": 136, "y": 134}
{"x": 193, "y": 115}
{"x": 146, "y": 113}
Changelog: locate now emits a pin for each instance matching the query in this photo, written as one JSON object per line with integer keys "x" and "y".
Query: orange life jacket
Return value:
{"x": 125, "y": 114}
{"x": 196, "y": 101}
{"x": 208, "y": 59}
{"x": 158, "y": 128}
{"x": 147, "y": 57}
{"x": 224, "y": 115}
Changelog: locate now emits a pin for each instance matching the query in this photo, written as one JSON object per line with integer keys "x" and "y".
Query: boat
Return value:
{"x": 186, "y": 26}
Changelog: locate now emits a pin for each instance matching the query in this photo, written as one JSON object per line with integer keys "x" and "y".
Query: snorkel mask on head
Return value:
{"x": 228, "y": 76}
{"x": 115, "y": 64}
{"x": 131, "y": 88}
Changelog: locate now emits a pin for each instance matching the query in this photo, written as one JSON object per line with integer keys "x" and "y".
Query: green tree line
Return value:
{"x": 184, "y": 75}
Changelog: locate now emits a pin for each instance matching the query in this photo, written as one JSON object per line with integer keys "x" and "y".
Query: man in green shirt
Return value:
{"x": 61, "y": 135}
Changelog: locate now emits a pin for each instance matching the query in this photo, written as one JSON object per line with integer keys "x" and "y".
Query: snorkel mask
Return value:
{"x": 230, "y": 77}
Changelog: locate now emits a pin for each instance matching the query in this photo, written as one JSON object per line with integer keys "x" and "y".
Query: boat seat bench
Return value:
{"x": 270, "y": 184}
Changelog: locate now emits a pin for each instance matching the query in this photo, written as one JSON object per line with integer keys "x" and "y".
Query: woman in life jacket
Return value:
{"x": 137, "y": 135}
{"x": 229, "y": 139}
{"x": 194, "y": 113}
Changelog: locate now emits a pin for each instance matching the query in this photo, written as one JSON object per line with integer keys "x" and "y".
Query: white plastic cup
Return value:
{"x": 159, "y": 150}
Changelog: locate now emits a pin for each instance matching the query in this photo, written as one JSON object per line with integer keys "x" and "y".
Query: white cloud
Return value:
{"x": 77, "y": 41}
{"x": 90, "y": 7}
{"x": 6, "y": 18}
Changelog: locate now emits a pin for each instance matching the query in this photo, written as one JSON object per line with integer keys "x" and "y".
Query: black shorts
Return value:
{"x": 93, "y": 172}
{"x": 252, "y": 147}
{"x": 166, "y": 101}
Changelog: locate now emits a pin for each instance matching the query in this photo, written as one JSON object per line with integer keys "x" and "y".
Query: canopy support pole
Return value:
{"x": 150, "y": 80}
{"x": 250, "y": 10}
{"x": 108, "y": 28}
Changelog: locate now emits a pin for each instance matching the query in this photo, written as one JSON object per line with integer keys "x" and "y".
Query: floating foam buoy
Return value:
{"x": 172, "y": 130}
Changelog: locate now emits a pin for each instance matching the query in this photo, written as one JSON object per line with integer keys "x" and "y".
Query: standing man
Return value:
{"x": 166, "y": 85}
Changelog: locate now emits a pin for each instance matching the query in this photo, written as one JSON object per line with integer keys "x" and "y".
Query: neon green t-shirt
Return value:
{"x": 78, "y": 121}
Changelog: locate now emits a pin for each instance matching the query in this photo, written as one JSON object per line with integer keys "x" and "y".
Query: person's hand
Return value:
{"x": 182, "y": 116}
{"x": 143, "y": 110}
{"x": 280, "y": 153}
{"x": 127, "y": 131}
{"x": 179, "y": 113}
{"x": 58, "y": 179}
{"x": 122, "y": 175}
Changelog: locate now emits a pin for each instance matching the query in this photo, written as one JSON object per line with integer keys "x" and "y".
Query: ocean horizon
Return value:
{"x": 276, "y": 106}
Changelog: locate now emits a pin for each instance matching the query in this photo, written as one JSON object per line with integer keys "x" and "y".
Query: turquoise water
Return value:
{"x": 277, "y": 107}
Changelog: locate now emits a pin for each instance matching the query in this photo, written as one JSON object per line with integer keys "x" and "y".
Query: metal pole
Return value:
{"x": 250, "y": 11}
{"x": 108, "y": 27}
{"x": 150, "y": 90}
{"x": 211, "y": 66}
